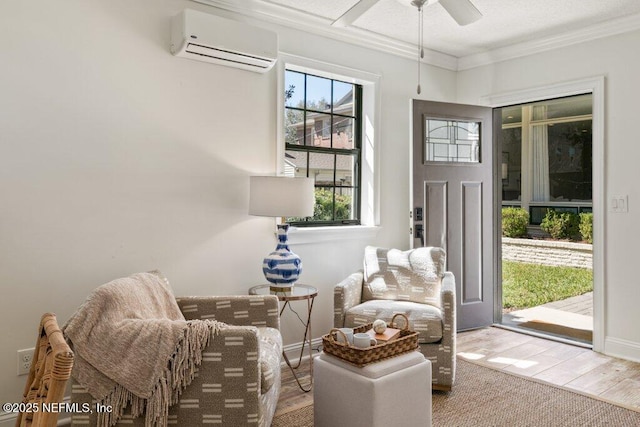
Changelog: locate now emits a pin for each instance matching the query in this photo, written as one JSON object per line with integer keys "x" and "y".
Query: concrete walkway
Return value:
{"x": 582, "y": 304}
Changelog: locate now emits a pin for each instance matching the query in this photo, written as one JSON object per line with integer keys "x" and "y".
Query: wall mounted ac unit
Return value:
{"x": 210, "y": 38}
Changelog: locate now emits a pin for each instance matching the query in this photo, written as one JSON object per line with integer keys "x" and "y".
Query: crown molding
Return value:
{"x": 300, "y": 20}
{"x": 570, "y": 88}
{"x": 293, "y": 18}
{"x": 598, "y": 31}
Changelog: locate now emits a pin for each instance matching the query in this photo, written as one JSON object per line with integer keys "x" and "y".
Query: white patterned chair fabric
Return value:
{"x": 238, "y": 383}
{"x": 413, "y": 283}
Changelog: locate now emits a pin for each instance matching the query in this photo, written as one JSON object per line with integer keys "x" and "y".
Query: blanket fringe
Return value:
{"x": 179, "y": 373}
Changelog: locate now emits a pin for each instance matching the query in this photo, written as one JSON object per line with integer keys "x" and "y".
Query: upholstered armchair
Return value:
{"x": 238, "y": 382}
{"x": 413, "y": 283}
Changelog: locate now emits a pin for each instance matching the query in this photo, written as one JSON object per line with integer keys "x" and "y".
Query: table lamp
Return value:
{"x": 281, "y": 196}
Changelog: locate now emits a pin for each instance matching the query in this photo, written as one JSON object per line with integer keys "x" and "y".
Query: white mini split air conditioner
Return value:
{"x": 210, "y": 38}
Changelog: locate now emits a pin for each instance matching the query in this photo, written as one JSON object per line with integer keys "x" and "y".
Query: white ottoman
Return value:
{"x": 395, "y": 392}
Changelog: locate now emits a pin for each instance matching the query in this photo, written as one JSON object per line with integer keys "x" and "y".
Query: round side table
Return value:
{"x": 298, "y": 292}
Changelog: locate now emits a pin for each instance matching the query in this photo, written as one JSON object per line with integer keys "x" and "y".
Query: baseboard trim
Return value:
{"x": 8, "y": 419}
{"x": 623, "y": 349}
{"x": 293, "y": 351}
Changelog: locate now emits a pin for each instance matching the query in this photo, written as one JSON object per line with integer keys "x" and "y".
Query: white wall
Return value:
{"x": 613, "y": 58}
{"x": 116, "y": 157}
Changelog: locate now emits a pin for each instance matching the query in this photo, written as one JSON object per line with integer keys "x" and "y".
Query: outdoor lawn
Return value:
{"x": 530, "y": 285}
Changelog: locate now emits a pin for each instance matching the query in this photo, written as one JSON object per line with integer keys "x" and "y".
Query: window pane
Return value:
{"x": 343, "y": 132}
{"x": 294, "y": 89}
{"x": 452, "y": 141}
{"x": 345, "y": 191}
{"x": 511, "y": 166}
{"x": 293, "y": 126}
{"x": 318, "y": 93}
{"x": 321, "y": 168}
{"x": 318, "y": 130}
{"x": 334, "y": 204}
{"x": 323, "y": 210}
{"x": 511, "y": 115}
{"x": 345, "y": 170}
{"x": 295, "y": 163}
{"x": 334, "y": 196}
{"x": 344, "y": 203}
{"x": 563, "y": 107}
{"x": 570, "y": 160}
{"x": 438, "y": 130}
{"x": 343, "y": 98}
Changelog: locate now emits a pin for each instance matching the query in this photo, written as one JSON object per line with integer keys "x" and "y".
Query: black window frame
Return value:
{"x": 355, "y": 152}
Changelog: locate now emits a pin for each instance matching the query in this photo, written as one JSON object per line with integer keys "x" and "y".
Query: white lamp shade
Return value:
{"x": 281, "y": 196}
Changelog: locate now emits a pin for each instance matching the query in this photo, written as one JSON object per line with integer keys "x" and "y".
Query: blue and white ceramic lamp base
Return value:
{"x": 282, "y": 267}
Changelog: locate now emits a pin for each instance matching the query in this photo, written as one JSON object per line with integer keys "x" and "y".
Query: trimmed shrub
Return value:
{"x": 586, "y": 226}
{"x": 323, "y": 210}
{"x": 514, "y": 222}
{"x": 560, "y": 225}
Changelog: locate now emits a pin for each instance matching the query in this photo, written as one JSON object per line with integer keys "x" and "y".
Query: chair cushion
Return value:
{"x": 270, "y": 351}
{"x": 413, "y": 275}
{"x": 423, "y": 318}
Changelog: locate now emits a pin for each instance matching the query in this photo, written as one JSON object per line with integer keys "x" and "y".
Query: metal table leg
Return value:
{"x": 306, "y": 341}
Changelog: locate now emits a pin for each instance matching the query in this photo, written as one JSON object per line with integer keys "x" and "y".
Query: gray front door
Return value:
{"x": 453, "y": 200}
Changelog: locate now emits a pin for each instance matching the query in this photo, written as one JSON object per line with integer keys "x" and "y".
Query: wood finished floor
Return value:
{"x": 557, "y": 363}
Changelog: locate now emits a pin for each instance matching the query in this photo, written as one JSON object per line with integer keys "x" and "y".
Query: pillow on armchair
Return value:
{"x": 413, "y": 275}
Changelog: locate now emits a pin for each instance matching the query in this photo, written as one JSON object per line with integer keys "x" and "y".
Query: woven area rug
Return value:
{"x": 486, "y": 397}
{"x": 300, "y": 417}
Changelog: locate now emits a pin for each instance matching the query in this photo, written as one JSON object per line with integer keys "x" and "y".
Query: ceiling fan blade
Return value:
{"x": 356, "y": 11}
{"x": 463, "y": 11}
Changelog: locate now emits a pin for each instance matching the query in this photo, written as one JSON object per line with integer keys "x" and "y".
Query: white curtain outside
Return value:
{"x": 540, "y": 140}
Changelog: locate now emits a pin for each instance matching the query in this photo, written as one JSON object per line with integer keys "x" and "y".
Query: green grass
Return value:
{"x": 529, "y": 285}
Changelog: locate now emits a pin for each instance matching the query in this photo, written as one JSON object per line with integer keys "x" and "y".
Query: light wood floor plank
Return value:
{"x": 626, "y": 391}
{"x": 604, "y": 377}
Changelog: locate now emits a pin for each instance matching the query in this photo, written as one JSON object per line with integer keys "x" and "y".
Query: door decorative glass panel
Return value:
{"x": 452, "y": 141}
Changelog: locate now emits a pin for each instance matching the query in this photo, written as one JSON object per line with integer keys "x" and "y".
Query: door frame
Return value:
{"x": 595, "y": 86}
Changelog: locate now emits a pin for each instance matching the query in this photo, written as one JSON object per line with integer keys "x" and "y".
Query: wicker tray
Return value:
{"x": 408, "y": 341}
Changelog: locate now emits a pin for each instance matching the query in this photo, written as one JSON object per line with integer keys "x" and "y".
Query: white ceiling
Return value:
{"x": 507, "y": 26}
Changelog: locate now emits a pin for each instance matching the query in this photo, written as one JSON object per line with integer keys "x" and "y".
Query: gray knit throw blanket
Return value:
{"x": 133, "y": 346}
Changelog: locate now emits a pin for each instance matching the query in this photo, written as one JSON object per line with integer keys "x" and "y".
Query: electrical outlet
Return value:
{"x": 25, "y": 357}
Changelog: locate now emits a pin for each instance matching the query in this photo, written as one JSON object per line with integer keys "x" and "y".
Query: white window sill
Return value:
{"x": 307, "y": 235}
